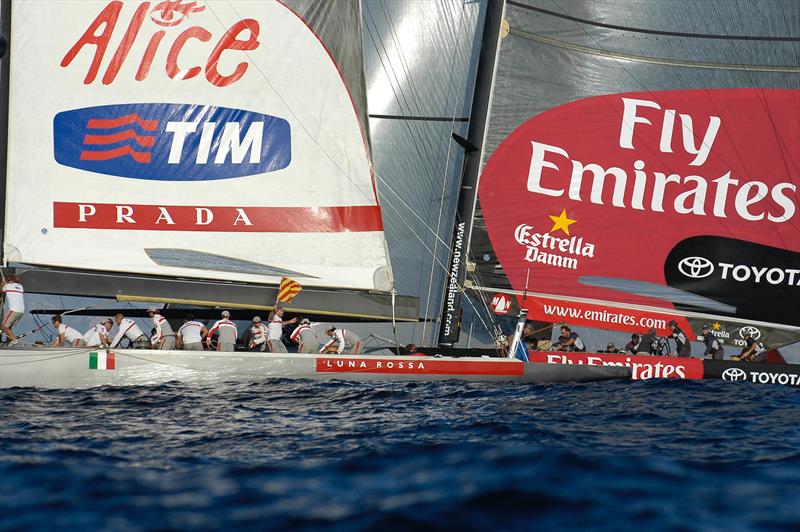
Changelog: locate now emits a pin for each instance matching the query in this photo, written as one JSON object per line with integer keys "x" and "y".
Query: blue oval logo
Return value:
{"x": 171, "y": 142}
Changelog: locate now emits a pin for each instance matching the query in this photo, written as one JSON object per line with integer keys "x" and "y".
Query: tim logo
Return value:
{"x": 171, "y": 142}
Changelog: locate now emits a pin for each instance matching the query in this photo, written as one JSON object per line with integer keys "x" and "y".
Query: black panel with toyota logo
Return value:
{"x": 759, "y": 282}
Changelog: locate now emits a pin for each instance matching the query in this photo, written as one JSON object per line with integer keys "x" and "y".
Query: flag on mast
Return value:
{"x": 288, "y": 290}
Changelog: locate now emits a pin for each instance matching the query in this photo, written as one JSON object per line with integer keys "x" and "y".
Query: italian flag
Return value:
{"x": 101, "y": 360}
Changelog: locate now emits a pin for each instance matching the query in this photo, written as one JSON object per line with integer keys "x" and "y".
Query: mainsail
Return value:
{"x": 218, "y": 141}
{"x": 642, "y": 164}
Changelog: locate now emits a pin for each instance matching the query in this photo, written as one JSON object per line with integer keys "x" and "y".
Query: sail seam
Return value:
{"x": 654, "y": 32}
{"x": 650, "y": 60}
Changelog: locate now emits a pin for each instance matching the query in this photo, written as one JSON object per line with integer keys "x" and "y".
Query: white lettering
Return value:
{"x": 630, "y": 119}
{"x": 204, "y": 215}
{"x": 242, "y": 217}
{"x": 84, "y": 211}
{"x": 538, "y": 163}
{"x": 237, "y": 147}
{"x": 179, "y": 131}
{"x": 125, "y": 214}
{"x": 164, "y": 216}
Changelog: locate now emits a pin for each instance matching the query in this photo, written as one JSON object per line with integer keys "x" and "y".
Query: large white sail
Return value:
{"x": 211, "y": 140}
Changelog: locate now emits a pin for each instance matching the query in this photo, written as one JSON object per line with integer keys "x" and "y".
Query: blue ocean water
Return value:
{"x": 284, "y": 454}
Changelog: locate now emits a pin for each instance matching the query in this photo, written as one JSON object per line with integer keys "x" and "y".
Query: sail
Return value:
{"x": 641, "y": 164}
{"x": 220, "y": 140}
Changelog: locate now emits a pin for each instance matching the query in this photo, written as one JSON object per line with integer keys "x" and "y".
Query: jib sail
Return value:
{"x": 642, "y": 164}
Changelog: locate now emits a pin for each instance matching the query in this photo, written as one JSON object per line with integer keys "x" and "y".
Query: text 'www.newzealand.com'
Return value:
{"x": 603, "y": 316}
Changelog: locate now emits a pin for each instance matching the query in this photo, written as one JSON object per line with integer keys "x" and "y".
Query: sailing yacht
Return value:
{"x": 198, "y": 152}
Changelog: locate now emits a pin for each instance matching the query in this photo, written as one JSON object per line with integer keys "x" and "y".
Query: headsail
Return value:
{"x": 639, "y": 179}
{"x": 212, "y": 140}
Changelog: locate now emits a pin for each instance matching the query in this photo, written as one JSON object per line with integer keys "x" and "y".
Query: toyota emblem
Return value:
{"x": 749, "y": 330}
{"x": 734, "y": 374}
{"x": 696, "y": 267}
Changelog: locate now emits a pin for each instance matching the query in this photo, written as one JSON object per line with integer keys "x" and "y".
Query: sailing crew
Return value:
{"x": 306, "y": 337}
{"x": 163, "y": 336}
{"x": 349, "y": 342}
{"x": 276, "y": 330}
{"x": 411, "y": 351}
{"x": 258, "y": 335}
{"x": 611, "y": 348}
{"x": 127, "y": 328}
{"x": 683, "y": 347}
{"x": 226, "y": 333}
{"x": 529, "y": 337}
{"x": 714, "y": 349}
{"x": 190, "y": 334}
{"x": 569, "y": 341}
{"x": 633, "y": 346}
{"x": 753, "y": 350}
{"x": 66, "y": 334}
{"x": 97, "y": 336}
{"x": 648, "y": 344}
{"x": 14, "y": 296}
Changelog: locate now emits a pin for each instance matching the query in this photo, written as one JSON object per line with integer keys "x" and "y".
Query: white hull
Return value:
{"x": 70, "y": 368}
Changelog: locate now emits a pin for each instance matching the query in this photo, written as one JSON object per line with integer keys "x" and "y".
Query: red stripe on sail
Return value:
{"x": 133, "y": 118}
{"x": 127, "y": 134}
{"x": 358, "y": 218}
{"x": 139, "y": 157}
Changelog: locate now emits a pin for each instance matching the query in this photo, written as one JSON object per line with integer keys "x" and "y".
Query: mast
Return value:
{"x": 449, "y": 326}
{"x": 5, "y": 34}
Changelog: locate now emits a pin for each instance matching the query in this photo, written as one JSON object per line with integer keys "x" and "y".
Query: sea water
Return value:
{"x": 283, "y": 454}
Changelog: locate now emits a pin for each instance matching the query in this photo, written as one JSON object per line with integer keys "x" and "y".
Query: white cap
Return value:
{"x": 257, "y": 319}
{"x": 305, "y": 321}
{"x": 153, "y": 309}
{"x": 226, "y": 314}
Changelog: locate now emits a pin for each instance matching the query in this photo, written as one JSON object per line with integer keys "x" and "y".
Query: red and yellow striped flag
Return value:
{"x": 288, "y": 290}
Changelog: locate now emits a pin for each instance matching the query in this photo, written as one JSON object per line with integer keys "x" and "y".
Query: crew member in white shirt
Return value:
{"x": 226, "y": 331}
{"x": 128, "y": 329}
{"x": 276, "y": 330}
{"x": 258, "y": 335}
{"x": 349, "y": 342}
{"x": 163, "y": 337}
{"x": 66, "y": 334}
{"x": 306, "y": 337}
{"x": 97, "y": 336}
{"x": 14, "y": 299}
{"x": 191, "y": 334}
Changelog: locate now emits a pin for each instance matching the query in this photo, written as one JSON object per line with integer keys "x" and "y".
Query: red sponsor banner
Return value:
{"x": 603, "y": 316}
{"x": 226, "y": 219}
{"x": 427, "y": 366}
{"x": 642, "y": 367}
{"x": 589, "y": 199}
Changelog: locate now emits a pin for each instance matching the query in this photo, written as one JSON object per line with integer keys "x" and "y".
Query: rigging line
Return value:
{"x": 602, "y": 52}
{"x": 721, "y": 222}
{"x": 290, "y": 110}
{"x": 415, "y": 136}
{"x": 410, "y": 209}
{"x": 441, "y": 265}
{"x": 654, "y": 32}
{"x": 418, "y": 141}
{"x": 445, "y": 173}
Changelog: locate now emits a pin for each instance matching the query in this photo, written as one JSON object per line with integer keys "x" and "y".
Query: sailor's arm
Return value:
{"x": 118, "y": 338}
{"x": 324, "y": 347}
{"x": 339, "y": 335}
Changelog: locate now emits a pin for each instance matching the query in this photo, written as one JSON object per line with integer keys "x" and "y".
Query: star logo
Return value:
{"x": 716, "y": 326}
{"x": 561, "y": 222}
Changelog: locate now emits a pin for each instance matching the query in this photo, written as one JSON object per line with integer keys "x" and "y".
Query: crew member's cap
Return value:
{"x": 611, "y": 345}
{"x": 55, "y": 318}
{"x": 305, "y": 321}
{"x": 108, "y": 320}
{"x": 278, "y": 306}
{"x": 226, "y": 314}
{"x": 705, "y": 326}
{"x": 257, "y": 319}
{"x": 330, "y": 329}
{"x": 673, "y": 323}
{"x": 154, "y": 310}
